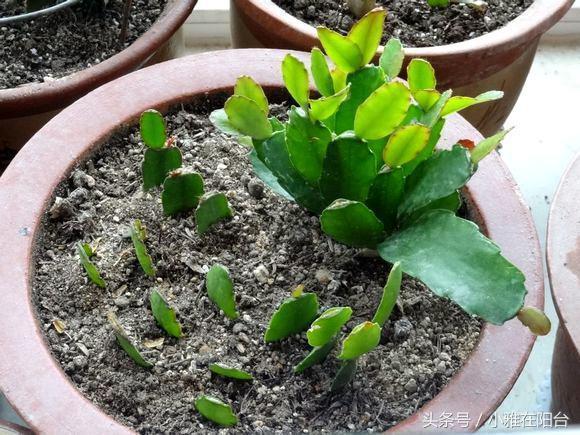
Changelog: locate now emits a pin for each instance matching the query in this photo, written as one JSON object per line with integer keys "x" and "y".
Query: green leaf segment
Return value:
{"x": 85, "y": 253}
{"x": 126, "y": 343}
{"x": 213, "y": 207}
{"x": 215, "y": 410}
{"x": 366, "y": 336}
{"x": 161, "y": 157}
{"x": 220, "y": 290}
{"x": 230, "y": 372}
{"x": 325, "y": 328}
{"x": 363, "y": 157}
{"x": 292, "y": 317}
{"x": 138, "y": 236}
{"x": 483, "y": 282}
{"x": 164, "y": 314}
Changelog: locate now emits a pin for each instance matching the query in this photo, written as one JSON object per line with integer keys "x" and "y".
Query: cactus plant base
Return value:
{"x": 56, "y": 46}
{"x": 270, "y": 246}
{"x": 414, "y": 22}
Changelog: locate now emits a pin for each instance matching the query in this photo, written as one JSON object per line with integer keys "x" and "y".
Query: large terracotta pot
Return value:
{"x": 499, "y": 60}
{"x": 25, "y": 109}
{"x": 33, "y": 381}
{"x": 563, "y": 256}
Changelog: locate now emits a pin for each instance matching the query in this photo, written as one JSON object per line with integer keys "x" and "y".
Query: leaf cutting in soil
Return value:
{"x": 293, "y": 316}
{"x": 165, "y": 314}
{"x": 325, "y": 327}
{"x": 181, "y": 192}
{"x": 85, "y": 254}
{"x": 366, "y": 336}
{"x": 323, "y": 335}
{"x": 230, "y": 372}
{"x": 215, "y": 410}
{"x": 316, "y": 356}
{"x": 220, "y": 290}
{"x": 161, "y": 157}
{"x": 138, "y": 237}
{"x": 213, "y": 207}
{"x": 126, "y": 343}
{"x": 390, "y": 295}
{"x": 362, "y": 339}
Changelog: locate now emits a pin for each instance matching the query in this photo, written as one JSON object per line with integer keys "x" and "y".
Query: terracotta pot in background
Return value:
{"x": 33, "y": 381}
{"x": 563, "y": 257}
{"x": 25, "y": 109}
{"x": 500, "y": 60}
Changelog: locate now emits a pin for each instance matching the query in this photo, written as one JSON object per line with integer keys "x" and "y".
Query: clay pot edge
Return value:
{"x": 482, "y": 56}
{"x": 536, "y": 20}
{"x": 562, "y": 220}
{"x": 51, "y": 404}
{"x": 36, "y": 98}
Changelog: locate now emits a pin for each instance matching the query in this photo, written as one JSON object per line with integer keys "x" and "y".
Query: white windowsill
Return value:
{"x": 209, "y": 24}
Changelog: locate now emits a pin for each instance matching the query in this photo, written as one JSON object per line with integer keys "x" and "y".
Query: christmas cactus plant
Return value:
{"x": 362, "y": 155}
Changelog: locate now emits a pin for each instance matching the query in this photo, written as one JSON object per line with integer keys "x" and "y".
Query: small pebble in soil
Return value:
{"x": 256, "y": 189}
{"x": 261, "y": 273}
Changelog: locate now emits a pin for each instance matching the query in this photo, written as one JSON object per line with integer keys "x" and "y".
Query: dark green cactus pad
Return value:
{"x": 352, "y": 223}
{"x": 213, "y": 207}
{"x": 157, "y": 164}
{"x": 181, "y": 192}
{"x": 153, "y": 130}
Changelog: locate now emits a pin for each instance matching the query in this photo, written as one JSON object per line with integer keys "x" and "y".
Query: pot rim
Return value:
{"x": 540, "y": 16}
{"x": 37, "y": 98}
{"x": 563, "y": 238}
{"x": 49, "y": 402}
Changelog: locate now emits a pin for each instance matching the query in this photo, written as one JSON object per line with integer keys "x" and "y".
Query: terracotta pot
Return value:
{"x": 46, "y": 399}
{"x": 499, "y": 60}
{"x": 563, "y": 257}
{"x": 25, "y": 109}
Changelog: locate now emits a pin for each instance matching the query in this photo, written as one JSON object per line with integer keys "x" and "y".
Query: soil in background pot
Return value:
{"x": 414, "y": 22}
{"x": 60, "y": 44}
{"x": 270, "y": 247}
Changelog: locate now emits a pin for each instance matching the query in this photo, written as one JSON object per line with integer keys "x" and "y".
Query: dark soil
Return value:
{"x": 270, "y": 246}
{"x": 6, "y": 156}
{"x": 414, "y": 22}
{"x": 60, "y": 44}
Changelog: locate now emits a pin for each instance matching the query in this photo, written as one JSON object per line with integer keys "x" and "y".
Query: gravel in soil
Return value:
{"x": 414, "y": 22}
{"x": 60, "y": 44}
{"x": 270, "y": 247}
